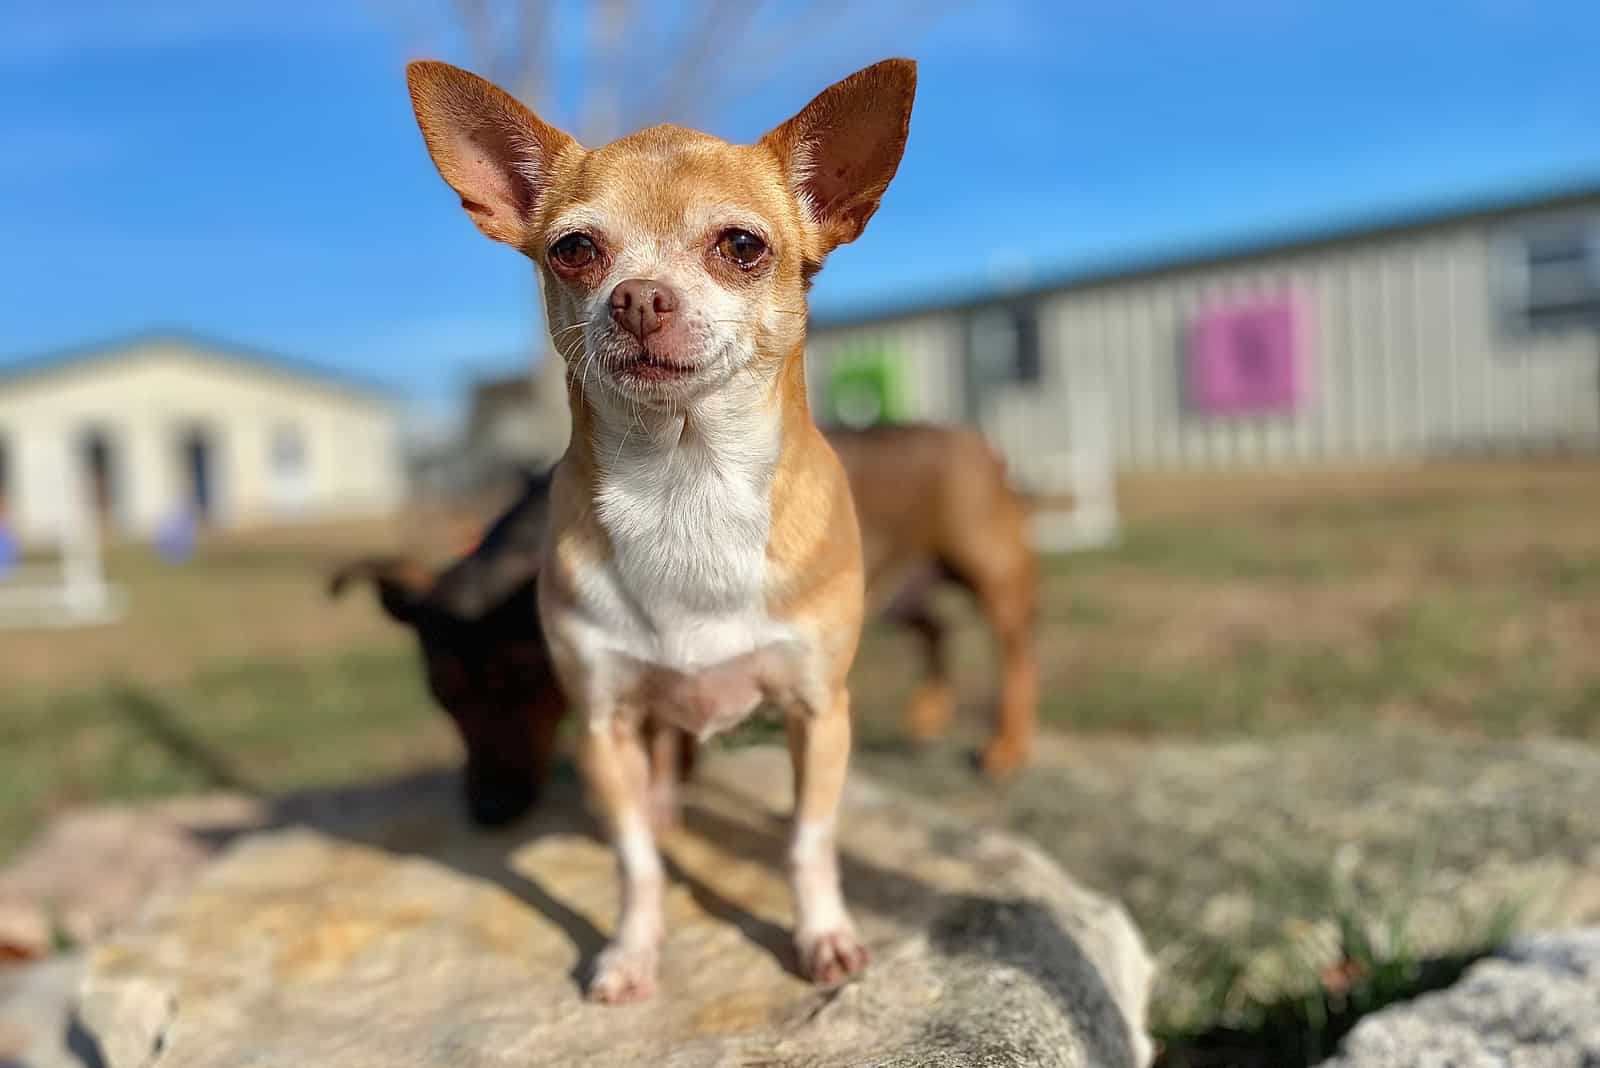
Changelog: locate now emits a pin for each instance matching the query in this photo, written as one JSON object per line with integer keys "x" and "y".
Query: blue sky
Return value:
{"x": 251, "y": 169}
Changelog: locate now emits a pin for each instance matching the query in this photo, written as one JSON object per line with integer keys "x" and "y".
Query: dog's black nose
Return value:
{"x": 641, "y": 306}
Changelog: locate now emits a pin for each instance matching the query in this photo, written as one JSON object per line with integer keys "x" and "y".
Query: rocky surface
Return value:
{"x": 37, "y": 1026}
{"x": 92, "y": 869}
{"x": 420, "y": 943}
{"x": 1536, "y": 1005}
{"x": 1237, "y": 858}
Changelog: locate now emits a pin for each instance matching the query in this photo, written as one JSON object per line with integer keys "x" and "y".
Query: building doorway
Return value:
{"x": 100, "y": 467}
{"x": 5, "y": 477}
{"x": 197, "y": 460}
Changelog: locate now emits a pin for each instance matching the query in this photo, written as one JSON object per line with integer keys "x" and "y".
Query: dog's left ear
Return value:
{"x": 401, "y": 584}
{"x": 497, "y": 155}
{"x": 841, "y": 151}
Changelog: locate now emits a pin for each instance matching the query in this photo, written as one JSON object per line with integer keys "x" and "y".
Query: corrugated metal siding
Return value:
{"x": 1411, "y": 359}
{"x": 929, "y": 349}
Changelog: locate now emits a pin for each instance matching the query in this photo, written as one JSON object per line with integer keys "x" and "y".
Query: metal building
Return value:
{"x": 1465, "y": 331}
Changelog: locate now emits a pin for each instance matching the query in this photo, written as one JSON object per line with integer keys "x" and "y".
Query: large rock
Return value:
{"x": 1536, "y": 1005}
{"x": 303, "y": 946}
{"x": 37, "y": 1028}
{"x": 1239, "y": 855}
{"x": 91, "y": 869}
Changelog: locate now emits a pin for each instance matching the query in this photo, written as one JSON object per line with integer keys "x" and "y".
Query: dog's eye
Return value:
{"x": 574, "y": 252}
{"x": 742, "y": 247}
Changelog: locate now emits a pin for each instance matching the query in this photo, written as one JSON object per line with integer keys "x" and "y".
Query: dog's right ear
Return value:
{"x": 844, "y": 147}
{"x": 496, "y": 154}
{"x": 401, "y": 584}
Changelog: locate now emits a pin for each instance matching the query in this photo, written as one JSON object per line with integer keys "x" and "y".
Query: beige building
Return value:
{"x": 163, "y": 425}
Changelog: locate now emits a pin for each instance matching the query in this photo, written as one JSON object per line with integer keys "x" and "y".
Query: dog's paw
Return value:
{"x": 1003, "y": 759}
{"x": 623, "y": 974}
{"x": 929, "y": 712}
{"x": 831, "y": 956}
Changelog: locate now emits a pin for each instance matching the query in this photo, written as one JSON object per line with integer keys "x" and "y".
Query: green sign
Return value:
{"x": 864, "y": 388}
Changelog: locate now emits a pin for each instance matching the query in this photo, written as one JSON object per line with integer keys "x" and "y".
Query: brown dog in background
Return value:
{"x": 934, "y": 508}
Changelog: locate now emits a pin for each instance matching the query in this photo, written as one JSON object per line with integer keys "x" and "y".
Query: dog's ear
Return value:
{"x": 401, "y": 584}
{"x": 496, "y": 154}
{"x": 843, "y": 148}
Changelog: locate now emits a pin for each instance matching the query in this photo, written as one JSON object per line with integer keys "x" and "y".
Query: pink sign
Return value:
{"x": 1249, "y": 357}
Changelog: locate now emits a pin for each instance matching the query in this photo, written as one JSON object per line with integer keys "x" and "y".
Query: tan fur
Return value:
{"x": 934, "y": 508}
{"x": 654, "y": 598}
{"x": 934, "y": 505}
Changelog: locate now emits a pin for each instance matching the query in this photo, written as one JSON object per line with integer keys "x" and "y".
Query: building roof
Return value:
{"x": 128, "y": 346}
{"x": 1573, "y": 195}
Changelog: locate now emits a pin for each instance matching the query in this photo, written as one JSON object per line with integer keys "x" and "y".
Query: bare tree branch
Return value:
{"x": 600, "y": 105}
{"x": 479, "y": 23}
{"x": 531, "y": 75}
{"x": 623, "y": 79}
{"x": 911, "y": 21}
{"x": 723, "y": 24}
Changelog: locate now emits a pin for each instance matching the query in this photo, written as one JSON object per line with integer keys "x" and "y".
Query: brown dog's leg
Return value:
{"x": 1008, "y": 602}
{"x": 1004, "y": 580}
{"x": 819, "y": 746}
{"x": 932, "y": 703}
{"x": 1019, "y": 692}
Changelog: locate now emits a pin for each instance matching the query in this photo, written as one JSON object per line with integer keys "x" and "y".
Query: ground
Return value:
{"x": 1277, "y": 696}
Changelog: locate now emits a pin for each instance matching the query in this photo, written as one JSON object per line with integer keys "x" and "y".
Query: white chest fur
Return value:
{"x": 686, "y": 502}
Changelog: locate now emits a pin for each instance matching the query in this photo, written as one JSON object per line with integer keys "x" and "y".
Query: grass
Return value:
{"x": 1466, "y": 608}
{"x": 257, "y": 727}
{"x": 1465, "y": 603}
{"x": 1305, "y": 1028}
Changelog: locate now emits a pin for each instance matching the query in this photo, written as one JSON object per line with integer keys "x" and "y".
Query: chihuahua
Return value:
{"x": 935, "y": 512}
{"x": 703, "y": 555}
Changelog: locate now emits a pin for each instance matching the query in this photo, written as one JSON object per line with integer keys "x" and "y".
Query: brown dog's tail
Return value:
{"x": 402, "y": 583}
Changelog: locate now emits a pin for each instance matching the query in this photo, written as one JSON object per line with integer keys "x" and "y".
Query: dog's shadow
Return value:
{"x": 422, "y": 815}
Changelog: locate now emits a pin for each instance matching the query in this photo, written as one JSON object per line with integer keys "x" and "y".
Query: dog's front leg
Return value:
{"x": 819, "y": 745}
{"x": 666, "y": 761}
{"x": 618, "y": 772}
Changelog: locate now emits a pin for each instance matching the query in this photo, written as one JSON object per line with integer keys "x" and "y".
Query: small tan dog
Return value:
{"x": 703, "y": 553}
{"x": 935, "y": 512}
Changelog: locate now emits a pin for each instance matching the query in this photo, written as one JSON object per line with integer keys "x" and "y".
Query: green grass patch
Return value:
{"x": 258, "y": 727}
{"x": 1367, "y": 974}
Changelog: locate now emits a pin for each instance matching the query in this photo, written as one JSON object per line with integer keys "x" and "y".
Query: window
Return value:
{"x": 1553, "y": 275}
{"x": 1003, "y": 345}
{"x": 288, "y": 460}
{"x": 288, "y": 451}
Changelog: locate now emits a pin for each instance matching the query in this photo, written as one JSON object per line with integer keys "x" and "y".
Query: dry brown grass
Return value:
{"x": 247, "y": 596}
{"x": 1464, "y": 596}
{"x": 1461, "y": 597}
